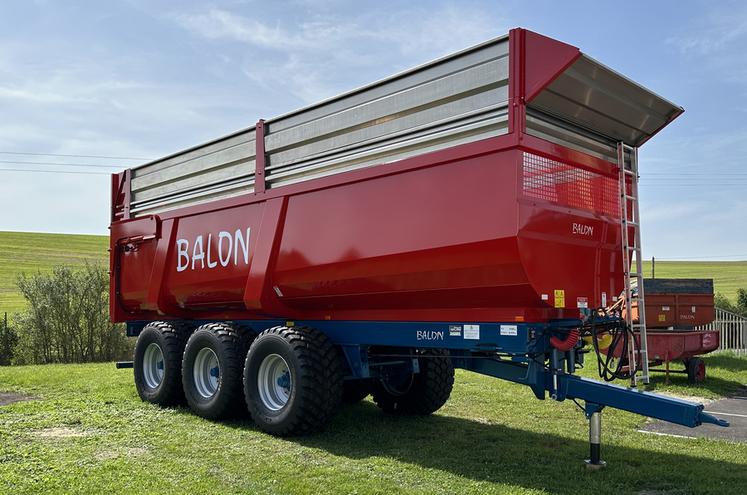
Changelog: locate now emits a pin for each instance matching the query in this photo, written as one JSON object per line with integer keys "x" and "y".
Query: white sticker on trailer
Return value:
{"x": 472, "y": 332}
{"x": 510, "y": 330}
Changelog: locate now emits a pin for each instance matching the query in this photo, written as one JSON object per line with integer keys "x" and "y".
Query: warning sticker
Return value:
{"x": 662, "y": 317}
{"x": 582, "y": 302}
{"x": 455, "y": 331}
{"x": 559, "y": 298}
{"x": 665, "y": 308}
{"x": 472, "y": 332}
{"x": 509, "y": 330}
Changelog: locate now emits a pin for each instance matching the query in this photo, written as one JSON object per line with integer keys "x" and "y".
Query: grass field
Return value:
{"x": 86, "y": 431}
{"x": 32, "y": 252}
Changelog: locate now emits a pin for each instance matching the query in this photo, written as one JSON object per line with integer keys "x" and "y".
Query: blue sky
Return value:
{"x": 146, "y": 78}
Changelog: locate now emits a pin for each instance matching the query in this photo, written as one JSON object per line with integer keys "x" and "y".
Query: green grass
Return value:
{"x": 728, "y": 276}
{"x": 32, "y": 252}
{"x": 86, "y": 431}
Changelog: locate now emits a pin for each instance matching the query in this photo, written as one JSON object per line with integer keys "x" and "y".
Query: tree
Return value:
{"x": 67, "y": 319}
{"x": 742, "y": 301}
{"x": 740, "y": 308}
{"x": 8, "y": 341}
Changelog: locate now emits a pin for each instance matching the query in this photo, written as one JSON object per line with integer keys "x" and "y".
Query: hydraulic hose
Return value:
{"x": 568, "y": 343}
{"x": 608, "y": 366}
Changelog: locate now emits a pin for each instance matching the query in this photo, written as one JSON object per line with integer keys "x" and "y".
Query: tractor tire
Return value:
{"x": 158, "y": 362}
{"x": 696, "y": 370}
{"x": 212, "y": 369}
{"x": 418, "y": 393}
{"x": 354, "y": 391}
{"x": 292, "y": 380}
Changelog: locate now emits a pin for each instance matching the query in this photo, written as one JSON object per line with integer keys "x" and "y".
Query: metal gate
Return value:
{"x": 733, "y": 331}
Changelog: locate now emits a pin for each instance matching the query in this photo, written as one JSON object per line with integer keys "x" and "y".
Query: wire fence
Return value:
{"x": 732, "y": 329}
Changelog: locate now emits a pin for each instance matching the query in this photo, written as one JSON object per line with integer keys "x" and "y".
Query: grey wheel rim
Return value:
{"x": 153, "y": 366}
{"x": 274, "y": 382}
{"x": 206, "y": 373}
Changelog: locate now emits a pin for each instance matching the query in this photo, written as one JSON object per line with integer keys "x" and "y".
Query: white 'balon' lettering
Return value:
{"x": 583, "y": 229}
{"x": 236, "y": 244}
{"x": 198, "y": 253}
{"x": 182, "y": 253}
{"x": 221, "y": 236}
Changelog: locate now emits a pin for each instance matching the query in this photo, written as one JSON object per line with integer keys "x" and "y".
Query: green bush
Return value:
{"x": 67, "y": 320}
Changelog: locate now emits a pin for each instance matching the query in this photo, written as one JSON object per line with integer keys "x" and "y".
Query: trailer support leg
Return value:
{"x": 594, "y": 412}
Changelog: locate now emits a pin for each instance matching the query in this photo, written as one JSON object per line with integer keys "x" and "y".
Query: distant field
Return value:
{"x": 32, "y": 252}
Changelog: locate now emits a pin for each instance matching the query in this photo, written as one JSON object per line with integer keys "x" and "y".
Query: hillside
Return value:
{"x": 32, "y": 252}
{"x": 29, "y": 252}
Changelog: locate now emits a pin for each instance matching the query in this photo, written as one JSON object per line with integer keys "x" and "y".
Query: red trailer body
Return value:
{"x": 509, "y": 228}
{"x": 679, "y": 303}
{"x": 681, "y": 346}
{"x": 463, "y": 214}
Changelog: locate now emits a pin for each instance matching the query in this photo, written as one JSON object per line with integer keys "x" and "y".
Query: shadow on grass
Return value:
{"x": 713, "y": 384}
{"x": 497, "y": 453}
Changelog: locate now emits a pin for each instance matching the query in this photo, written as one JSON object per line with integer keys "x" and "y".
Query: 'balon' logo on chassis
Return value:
{"x": 229, "y": 248}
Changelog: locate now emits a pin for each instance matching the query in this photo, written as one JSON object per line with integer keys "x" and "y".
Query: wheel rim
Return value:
{"x": 153, "y": 365}
{"x": 274, "y": 382}
{"x": 206, "y": 373}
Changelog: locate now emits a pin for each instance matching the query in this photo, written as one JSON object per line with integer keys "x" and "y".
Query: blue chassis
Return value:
{"x": 517, "y": 352}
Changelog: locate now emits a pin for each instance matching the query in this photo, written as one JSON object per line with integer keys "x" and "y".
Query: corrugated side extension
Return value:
{"x": 219, "y": 169}
{"x": 454, "y": 100}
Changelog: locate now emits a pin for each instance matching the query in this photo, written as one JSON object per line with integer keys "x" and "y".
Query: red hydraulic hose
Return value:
{"x": 567, "y": 344}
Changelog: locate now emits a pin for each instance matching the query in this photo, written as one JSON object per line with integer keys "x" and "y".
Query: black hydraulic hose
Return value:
{"x": 608, "y": 368}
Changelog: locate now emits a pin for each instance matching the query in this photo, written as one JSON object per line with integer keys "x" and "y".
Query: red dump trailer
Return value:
{"x": 465, "y": 213}
{"x": 675, "y": 307}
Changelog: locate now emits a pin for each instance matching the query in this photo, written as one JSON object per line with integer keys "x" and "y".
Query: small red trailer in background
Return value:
{"x": 679, "y": 303}
{"x": 674, "y": 309}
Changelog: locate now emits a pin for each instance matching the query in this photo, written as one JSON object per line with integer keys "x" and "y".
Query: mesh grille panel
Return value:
{"x": 570, "y": 186}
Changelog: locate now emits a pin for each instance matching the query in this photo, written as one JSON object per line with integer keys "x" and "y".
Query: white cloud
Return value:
{"x": 324, "y": 55}
{"x": 713, "y": 33}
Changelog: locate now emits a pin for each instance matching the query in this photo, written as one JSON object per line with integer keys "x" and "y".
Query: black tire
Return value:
{"x": 315, "y": 370}
{"x": 170, "y": 337}
{"x": 354, "y": 391}
{"x": 419, "y": 393}
{"x": 696, "y": 370}
{"x": 229, "y": 344}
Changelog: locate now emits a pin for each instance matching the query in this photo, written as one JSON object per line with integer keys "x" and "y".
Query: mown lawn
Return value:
{"x": 86, "y": 431}
{"x": 32, "y": 252}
